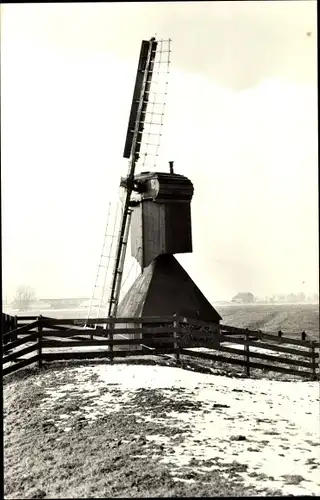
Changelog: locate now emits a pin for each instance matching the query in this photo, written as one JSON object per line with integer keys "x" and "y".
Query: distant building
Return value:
{"x": 243, "y": 298}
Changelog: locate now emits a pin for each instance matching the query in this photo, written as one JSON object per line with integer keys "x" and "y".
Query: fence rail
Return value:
{"x": 174, "y": 335}
{"x": 269, "y": 336}
{"x": 267, "y": 357}
{"x": 109, "y": 321}
{"x": 214, "y": 357}
{"x": 270, "y": 347}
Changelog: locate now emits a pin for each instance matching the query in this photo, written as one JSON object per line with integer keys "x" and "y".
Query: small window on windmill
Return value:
{"x": 154, "y": 187}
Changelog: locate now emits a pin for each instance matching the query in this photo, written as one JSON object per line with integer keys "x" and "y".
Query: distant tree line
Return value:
{"x": 298, "y": 298}
{"x": 23, "y": 297}
{"x": 293, "y": 298}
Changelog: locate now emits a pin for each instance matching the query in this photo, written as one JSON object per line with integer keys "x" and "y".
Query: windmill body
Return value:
{"x": 161, "y": 223}
{"x": 160, "y": 228}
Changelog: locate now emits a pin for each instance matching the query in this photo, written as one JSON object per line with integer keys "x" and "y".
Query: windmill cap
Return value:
{"x": 162, "y": 186}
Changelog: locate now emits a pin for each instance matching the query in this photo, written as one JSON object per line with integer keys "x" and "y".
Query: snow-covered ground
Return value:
{"x": 272, "y": 427}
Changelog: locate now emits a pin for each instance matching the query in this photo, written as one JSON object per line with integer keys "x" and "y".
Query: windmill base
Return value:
{"x": 164, "y": 288}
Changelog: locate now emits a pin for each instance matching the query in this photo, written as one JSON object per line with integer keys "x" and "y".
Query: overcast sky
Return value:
{"x": 241, "y": 122}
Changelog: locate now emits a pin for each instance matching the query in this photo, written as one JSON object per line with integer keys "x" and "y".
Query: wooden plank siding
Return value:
{"x": 136, "y": 234}
{"x": 178, "y": 235}
{"x": 153, "y": 226}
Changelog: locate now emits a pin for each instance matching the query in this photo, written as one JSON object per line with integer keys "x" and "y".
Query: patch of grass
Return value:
{"x": 225, "y": 480}
{"x": 271, "y": 433}
{"x": 294, "y": 479}
{"x": 158, "y": 403}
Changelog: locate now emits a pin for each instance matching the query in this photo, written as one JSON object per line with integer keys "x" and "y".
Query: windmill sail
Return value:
{"x": 143, "y": 139}
{"x": 143, "y": 61}
{"x": 142, "y": 149}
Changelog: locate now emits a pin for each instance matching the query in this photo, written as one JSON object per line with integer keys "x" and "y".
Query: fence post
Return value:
{"x": 176, "y": 345}
{"x": 91, "y": 333}
{"x": 40, "y": 341}
{"x": 111, "y": 328}
{"x": 14, "y": 327}
{"x": 247, "y": 355}
{"x": 220, "y": 334}
{"x": 313, "y": 360}
{"x": 303, "y": 335}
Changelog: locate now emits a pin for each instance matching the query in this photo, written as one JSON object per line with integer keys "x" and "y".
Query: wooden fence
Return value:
{"x": 41, "y": 339}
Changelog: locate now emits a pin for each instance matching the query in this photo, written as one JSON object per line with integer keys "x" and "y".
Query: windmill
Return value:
{"x": 157, "y": 207}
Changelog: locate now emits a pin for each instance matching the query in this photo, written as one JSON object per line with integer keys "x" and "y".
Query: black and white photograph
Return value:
{"x": 160, "y": 249}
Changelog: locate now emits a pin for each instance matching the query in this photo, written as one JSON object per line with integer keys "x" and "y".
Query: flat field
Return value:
{"x": 289, "y": 318}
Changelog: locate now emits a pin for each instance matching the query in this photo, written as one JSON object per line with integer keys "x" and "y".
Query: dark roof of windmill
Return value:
{"x": 163, "y": 289}
{"x": 162, "y": 185}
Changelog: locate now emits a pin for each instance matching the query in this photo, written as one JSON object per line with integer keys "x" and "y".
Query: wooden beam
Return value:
{"x": 268, "y": 336}
{"x": 270, "y": 347}
{"x": 268, "y": 357}
{"x": 33, "y": 337}
{"x": 18, "y": 354}
{"x": 88, "y": 342}
{"x": 20, "y": 330}
{"x": 241, "y": 362}
{"x": 104, "y": 354}
{"x": 10, "y": 369}
{"x": 101, "y": 321}
{"x": 117, "y": 331}
{"x": 198, "y": 322}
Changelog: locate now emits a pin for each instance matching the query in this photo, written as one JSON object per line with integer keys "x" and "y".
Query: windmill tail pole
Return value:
{"x": 117, "y": 272}
{"x": 121, "y": 263}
